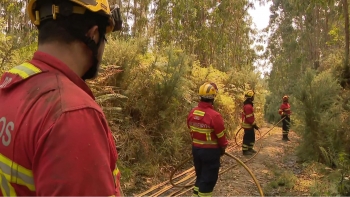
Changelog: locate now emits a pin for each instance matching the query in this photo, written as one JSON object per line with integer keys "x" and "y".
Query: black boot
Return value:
{"x": 252, "y": 151}
{"x": 247, "y": 152}
{"x": 285, "y": 137}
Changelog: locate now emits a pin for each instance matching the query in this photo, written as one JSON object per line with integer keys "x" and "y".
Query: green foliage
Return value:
{"x": 151, "y": 72}
{"x": 271, "y": 108}
{"x": 343, "y": 162}
{"x": 12, "y": 50}
{"x": 282, "y": 181}
{"x": 23, "y": 54}
{"x": 147, "y": 96}
{"x": 319, "y": 110}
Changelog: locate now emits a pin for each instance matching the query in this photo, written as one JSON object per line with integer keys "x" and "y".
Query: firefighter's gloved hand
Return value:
{"x": 222, "y": 151}
{"x": 256, "y": 127}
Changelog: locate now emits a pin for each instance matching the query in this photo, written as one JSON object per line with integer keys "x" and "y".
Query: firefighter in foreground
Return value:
{"x": 208, "y": 140}
{"x": 55, "y": 138}
{"x": 248, "y": 124}
{"x": 285, "y": 112}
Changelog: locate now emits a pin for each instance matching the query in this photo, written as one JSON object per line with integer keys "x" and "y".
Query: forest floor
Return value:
{"x": 277, "y": 169}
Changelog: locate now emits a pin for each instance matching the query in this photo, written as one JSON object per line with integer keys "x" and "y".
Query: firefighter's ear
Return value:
{"x": 93, "y": 33}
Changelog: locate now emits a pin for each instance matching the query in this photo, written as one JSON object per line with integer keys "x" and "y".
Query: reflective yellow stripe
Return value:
{"x": 15, "y": 173}
{"x": 115, "y": 173}
{"x": 25, "y": 70}
{"x": 204, "y": 142}
{"x": 246, "y": 126}
{"x": 12, "y": 172}
{"x": 31, "y": 67}
{"x": 6, "y": 187}
{"x": 245, "y": 147}
{"x": 222, "y": 133}
{"x": 249, "y": 115}
{"x": 205, "y": 194}
{"x": 207, "y": 136}
{"x": 198, "y": 113}
{"x": 195, "y": 188}
{"x": 204, "y": 131}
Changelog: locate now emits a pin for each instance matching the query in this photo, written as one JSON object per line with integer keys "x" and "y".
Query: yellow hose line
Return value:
{"x": 188, "y": 159}
{"x": 165, "y": 182}
{"x": 239, "y": 161}
{"x": 250, "y": 172}
{"x": 236, "y": 136}
{"x": 189, "y": 186}
{"x": 262, "y": 136}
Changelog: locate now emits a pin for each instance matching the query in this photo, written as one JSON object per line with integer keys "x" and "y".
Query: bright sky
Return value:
{"x": 261, "y": 17}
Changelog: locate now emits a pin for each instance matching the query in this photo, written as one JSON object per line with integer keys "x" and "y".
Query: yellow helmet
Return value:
{"x": 208, "y": 90}
{"x": 249, "y": 94}
{"x": 98, "y": 6}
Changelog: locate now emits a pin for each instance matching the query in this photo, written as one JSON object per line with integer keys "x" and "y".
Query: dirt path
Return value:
{"x": 275, "y": 167}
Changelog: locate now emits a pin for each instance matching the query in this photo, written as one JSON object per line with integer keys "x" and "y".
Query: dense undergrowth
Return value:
{"x": 320, "y": 115}
{"x": 147, "y": 96}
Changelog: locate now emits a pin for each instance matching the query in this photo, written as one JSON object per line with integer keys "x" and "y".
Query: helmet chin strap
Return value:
{"x": 91, "y": 44}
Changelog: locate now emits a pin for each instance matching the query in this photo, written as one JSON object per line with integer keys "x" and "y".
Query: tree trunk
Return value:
{"x": 346, "y": 50}
{"x": 346, "y": 16}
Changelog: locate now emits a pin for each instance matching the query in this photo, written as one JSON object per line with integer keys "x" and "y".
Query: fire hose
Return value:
{"x": 231, "y": 156}
{"x": 236, "y": 136}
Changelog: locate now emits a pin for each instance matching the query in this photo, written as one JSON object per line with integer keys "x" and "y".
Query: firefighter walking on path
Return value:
{"x": 208, "y": 140}
{"x": 285, "y": 112}
{"x": 248, "y": 124}
{"x": 55, "y": 138}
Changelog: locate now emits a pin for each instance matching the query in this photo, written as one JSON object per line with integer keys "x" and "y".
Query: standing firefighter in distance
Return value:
{"x": 208, "y": 140}
{"x": 285, "y": 112}
{"x": 55, "y": 138}
{"x": 248, "y": 124}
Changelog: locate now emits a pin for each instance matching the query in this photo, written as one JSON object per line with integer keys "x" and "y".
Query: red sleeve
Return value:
{"x": 249, "y": 114}
{"x": 75, "y": 157}
{"x": 219, "y": 129}
{"x": 188, "y": 119}
{"x": 290, "y": 111}
{"x": 280, "y": 111}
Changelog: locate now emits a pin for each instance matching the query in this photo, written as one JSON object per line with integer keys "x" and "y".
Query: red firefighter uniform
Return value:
{"x": 54, "y": 137}
{"x": 208, "y": 144}
{"x": 248, "y": 119}
{"x": 284, "y": 109}
{"x": 285, "y": 112}
{"x": 207, "y": 127}
{"x": 248, "y": 124}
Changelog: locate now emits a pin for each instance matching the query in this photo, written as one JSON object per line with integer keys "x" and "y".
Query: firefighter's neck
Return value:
{"x": 73, "y": 55}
